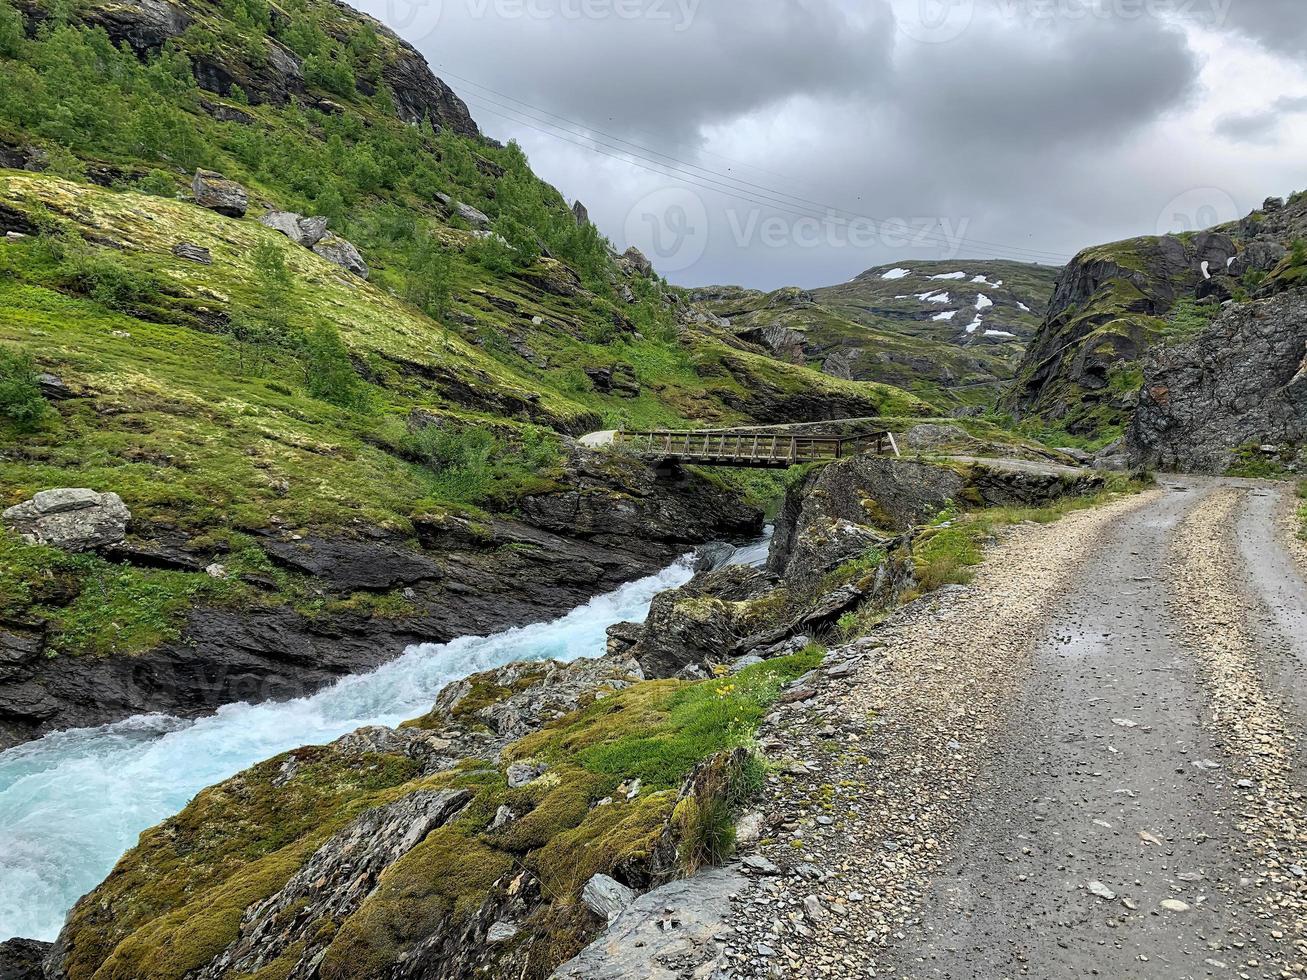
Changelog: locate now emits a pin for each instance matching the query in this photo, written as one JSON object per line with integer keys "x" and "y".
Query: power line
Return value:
{"x": 739, "y": 163}
{"x": 707, "y": 178}
{"x": 705, "y": 183}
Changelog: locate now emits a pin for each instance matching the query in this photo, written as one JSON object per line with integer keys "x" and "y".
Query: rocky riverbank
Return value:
{"x": 609, "y": 520}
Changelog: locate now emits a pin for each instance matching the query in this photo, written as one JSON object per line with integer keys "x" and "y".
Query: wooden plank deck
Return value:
{"x": 761, "y": 448}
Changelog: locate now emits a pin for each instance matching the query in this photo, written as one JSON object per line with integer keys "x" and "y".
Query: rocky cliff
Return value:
{"x": 1234, "y": 395}
{"x": 1114, "y": 305}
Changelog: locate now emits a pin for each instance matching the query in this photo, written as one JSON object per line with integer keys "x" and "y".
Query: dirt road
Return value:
{"x": 1086, "y": 764}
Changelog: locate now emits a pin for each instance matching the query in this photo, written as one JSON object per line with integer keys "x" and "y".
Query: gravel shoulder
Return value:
{"x": 1084, "y": 764}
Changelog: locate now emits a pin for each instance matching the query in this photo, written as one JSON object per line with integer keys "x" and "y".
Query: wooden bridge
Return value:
{"x": 763, "y": 448}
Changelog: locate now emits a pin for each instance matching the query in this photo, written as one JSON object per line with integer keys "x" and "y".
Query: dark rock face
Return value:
{"x": 844, "y": 509}
{"x": 1243, "y": 380}
{"x": 22, "y": 959}
{"x": 696, "y": 624}
{"x": 674, "y": 510}
{"x": 1098, "y": 286}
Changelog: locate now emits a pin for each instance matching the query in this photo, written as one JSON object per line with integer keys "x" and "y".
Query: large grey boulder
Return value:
{"x": 299, "y": 229}
{"x": 674, "y": 931}
{"x": 217, "y": 193}
{"x": 335, "y": 249}
{"x": 71, "y": 519}
{"x": 479, "y": 220}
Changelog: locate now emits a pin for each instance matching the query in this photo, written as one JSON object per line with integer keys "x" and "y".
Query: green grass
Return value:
{"x": 1251, "y": 463}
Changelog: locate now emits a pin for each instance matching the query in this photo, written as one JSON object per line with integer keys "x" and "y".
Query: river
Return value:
{"x": 72, "y": 803}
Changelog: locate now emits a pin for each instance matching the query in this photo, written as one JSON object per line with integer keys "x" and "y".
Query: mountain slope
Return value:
{"x": 282, "y": 420}
{"x": 950, "y": 332}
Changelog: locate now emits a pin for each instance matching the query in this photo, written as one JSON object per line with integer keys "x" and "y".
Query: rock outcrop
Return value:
{"x": 1115, "y": 304}
{"x": 669, "y": 933}
{"x": 23, "y": 959}
{"x": 268, "y": 71}
{"x": 1242, "y": 382}
{"x": 217, "y": 193}
{"x": 339, "y": 251}
{"x": 306, "y": 232}
{"x": 71, "y": 519}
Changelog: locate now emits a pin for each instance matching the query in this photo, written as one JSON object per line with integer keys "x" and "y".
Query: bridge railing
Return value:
{"x": 749, "y": 447}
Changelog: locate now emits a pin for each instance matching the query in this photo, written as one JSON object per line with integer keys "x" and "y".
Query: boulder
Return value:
{"x": 642, "y": 941}
{"x": 299, "y": 229}
{"x": 71, "y": 519}
{"x": 286, "y": 222}
{"x": 637, "y": 262}
{"x": 53, "y": 388}
{"x": 521, "y": 773}
{"x": 217, "y": 193}
{"x": 479, "y": 220}
{"x": 312, "y": 230}
{"x": 581, "y": 214}
{"x": 193, "y": 253}
{"x": 606, "y": 897}
{"x": 335, "y": 249}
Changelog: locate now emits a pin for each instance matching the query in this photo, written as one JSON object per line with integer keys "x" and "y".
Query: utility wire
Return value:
{"x": 707, "y": 178}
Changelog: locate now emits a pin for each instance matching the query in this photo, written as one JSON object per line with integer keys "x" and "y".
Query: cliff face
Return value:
{"x": 266, "y": 68}
{"x": 1239, "y": 386}
{"x": 1115, "y": 304}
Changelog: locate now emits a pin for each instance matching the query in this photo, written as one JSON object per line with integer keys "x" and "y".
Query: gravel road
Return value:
{"x": 1085, "y": 764}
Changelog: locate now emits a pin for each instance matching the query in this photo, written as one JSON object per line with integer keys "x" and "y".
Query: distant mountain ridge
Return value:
{"x": 949, "y": 331}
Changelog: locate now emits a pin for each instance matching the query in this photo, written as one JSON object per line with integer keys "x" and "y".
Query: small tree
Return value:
{"x": 328, "y": 371}
{"x": 430, "y": 282}
{"x": 20, "y": 392}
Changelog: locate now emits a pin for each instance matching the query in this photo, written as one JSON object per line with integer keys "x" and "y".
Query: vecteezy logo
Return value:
{"x": 671, "y": 227}
{"x": 934, "y": 21}
{"x": 1197, "y": 209}
{"x": 401, "y": 15}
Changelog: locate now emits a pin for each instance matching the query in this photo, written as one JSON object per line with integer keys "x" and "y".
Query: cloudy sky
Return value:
{"x": 776, "y": 142}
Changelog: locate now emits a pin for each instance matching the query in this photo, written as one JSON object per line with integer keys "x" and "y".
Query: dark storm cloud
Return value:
{"x": 1263, "y": 125}
{"x": 1047, "y": 83}
{"x": 1279, "y": 25}
{"x": 657, "y": 68}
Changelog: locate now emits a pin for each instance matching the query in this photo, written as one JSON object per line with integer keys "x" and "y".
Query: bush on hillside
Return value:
{"x": 328, "y": 371}
{"x": 20, "y": 393}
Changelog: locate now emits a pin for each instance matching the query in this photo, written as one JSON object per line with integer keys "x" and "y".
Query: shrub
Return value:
{"x": 328, "y": 372}
{"x": 11, "y": 31}
{"x": 20, "y": 394}
{"x": 102, "y": 276}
